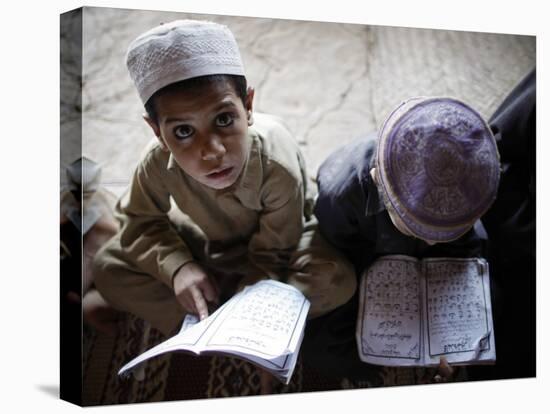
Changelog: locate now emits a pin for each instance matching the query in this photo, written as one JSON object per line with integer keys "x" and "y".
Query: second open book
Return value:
{"x": 412, "y": 312}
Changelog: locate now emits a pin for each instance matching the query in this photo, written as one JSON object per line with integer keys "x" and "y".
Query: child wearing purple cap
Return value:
{"x": 416, "y": 188}
{"x": 421, "y": 184}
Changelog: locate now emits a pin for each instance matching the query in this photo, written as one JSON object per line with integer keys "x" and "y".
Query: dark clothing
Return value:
{"x": 511, "y": 226}
{"x": 512, "y": 216}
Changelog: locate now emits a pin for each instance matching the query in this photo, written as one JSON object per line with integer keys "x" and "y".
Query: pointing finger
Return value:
{"x": 200, "y": 303}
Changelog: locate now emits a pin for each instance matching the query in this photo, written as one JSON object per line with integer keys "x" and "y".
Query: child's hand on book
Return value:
{"x": 444, "y": 371}
{"x": 193, "y": 289}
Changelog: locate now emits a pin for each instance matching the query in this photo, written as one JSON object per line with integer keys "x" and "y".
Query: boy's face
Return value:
{"x": 205, "y": 129}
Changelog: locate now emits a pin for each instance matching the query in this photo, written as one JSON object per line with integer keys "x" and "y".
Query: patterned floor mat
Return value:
{"x": 180, "y": 376}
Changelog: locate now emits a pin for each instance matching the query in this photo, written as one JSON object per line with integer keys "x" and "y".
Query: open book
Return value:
{"x": 412, "y": 312}
{"x": 263, "y": 324}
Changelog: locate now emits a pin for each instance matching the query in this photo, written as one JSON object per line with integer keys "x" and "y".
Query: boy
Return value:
{"x": 418, "y": 189}
{"x": 214, "y": 204}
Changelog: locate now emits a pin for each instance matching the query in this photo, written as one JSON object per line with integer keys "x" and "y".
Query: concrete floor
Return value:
{"x": 329, "y": 81}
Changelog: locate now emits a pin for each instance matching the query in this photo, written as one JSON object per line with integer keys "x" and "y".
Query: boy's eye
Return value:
{"x": 183, "y": 131}
{"x": 225, "y": 119}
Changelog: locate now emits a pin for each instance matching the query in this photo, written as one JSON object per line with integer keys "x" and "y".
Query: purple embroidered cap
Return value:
{"x": 438, "y": 165}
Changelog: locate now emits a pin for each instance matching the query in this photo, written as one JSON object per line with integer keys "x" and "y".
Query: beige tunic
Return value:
{"x": 254, "y": 229}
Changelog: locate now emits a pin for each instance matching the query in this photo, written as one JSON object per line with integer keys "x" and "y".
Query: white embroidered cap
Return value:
{"x": 180, "y": 50}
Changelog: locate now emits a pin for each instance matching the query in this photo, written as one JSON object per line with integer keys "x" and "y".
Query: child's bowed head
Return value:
{"x": 437, "y": 168}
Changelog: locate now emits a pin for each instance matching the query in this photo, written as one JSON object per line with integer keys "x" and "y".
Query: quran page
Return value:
{"x": 458, "y": 313}
{"x": 263, "y": 324}
{"x": 266, "y": 321}
{"x": 390, "y": 323}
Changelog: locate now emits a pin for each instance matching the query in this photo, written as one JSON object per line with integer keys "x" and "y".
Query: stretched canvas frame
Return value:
{"x": 329, "y": 81}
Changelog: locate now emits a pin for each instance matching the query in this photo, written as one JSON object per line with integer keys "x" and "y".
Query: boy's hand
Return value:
{"x": 193, "y": 288}
{"x": 444, "y": 371}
